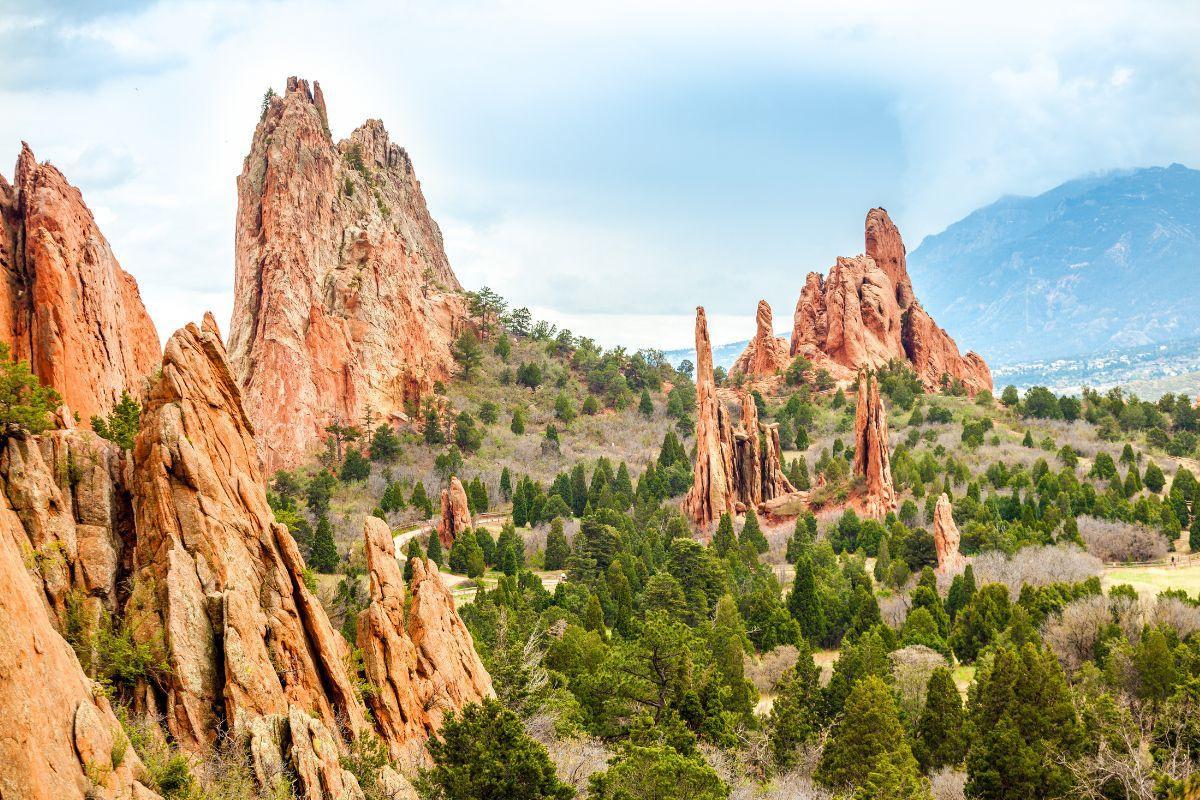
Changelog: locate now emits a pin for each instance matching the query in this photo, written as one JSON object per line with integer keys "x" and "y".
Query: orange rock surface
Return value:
{"x": 345, "y": 306}
{"x": 456, "y": 513}
{"x": 872, "y": 459}
{"x": 946, "y": 538}
{"x": 864, "y": 314}
{"x": 66, "y": 306}
{"x": 421, "y": 667}
{"x": 766, "y": 354}
{"x": 738, "y": 466}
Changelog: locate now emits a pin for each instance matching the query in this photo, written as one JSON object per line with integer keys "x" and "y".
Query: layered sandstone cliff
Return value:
{"x": 422, "y": 664}
{"x": 345, "y": 306}
{"x": 739, "y": 464}
{"x": 66, "y": 306}
{"x": 864, "y": 314}
{"x": 872, "y": 453}
{"x": 766, "y": 354}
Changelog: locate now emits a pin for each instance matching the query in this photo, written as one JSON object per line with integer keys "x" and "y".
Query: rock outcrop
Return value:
{"x": 218, "y": 586}
{"x": 946, "y": 538}
{"x": 422, "y": 665}
{"x": 872, "y": 459}
{"x": 66, "y": 306}
{"x": 456, "y": 513}
{"x": 61, "y": 739}
{"x": 766, "y": 354}
{"x": 864, "y": 315}
{"x": 738, "y": 465}
{"x": 345, "y": 306}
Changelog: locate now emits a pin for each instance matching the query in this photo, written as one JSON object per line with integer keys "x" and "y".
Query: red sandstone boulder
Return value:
{"x": 66, "y": 305}
{"x": 344, "y": 301}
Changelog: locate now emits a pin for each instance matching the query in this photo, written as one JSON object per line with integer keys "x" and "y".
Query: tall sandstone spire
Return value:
{"x": 66, "y": 306}
{"x": 872, "y": 459}
{"x": 864, "y": 314}
{"x": 766, "y": 354}
{"x": 345, "y": 304}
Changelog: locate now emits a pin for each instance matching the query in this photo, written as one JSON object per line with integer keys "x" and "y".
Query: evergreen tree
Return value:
{"x": 795, "y": 717}
{"x": 354, "y": 467}
{"x": 510, "y": 551}
{"x": 1028, "y": 440}
{"x": 579, "y": 490}
{"x": 723, "y": 541}
{"x": 484, "y": 752}
{"x": 804, "y": 603}
{"x": 557, "y": 549}
{"x": 385, "y": 444}
{"x": 1154, "y": 478}
{"x": 622, "y": 486}
{"x": 121, "y": 425}
{"x": 883, "y": 561}
{"x": 505, "y": 484}
{"x": 985, "y": 615}
{"x": 412, "y": 551}
{"x": 1155, "y": 664}
{"x": 420, "y": 500}
{"x": 518, "y": 422}
{"x": 487, "y": 545}
{"x": 645, "y": 404}
{"x": 478, "y": 496}
{"x": 432, "y": 431}
{"x": 656, "y": 772}
{"x": 751, "y": 534}
{"x": 434, "y": 549}
{"x": 870, "y": 740}
{"x": 962, "y": 589}
{"x": 593, "y": 615}
{"x": 324, "y": 550}
{"x": 940, "y": 739}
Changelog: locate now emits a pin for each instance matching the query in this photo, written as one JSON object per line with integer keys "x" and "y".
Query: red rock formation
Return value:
{"x": 456, "y": 513}
{"x": 60, "y": 733}
{"x": 737, "y": 466}
{"x": 422, "y": 667}
{"x": 66, "y": 305}
{"x": 872, "y": 461}
{"x": 766, "y": 354}
{"x": 946, "y": 538}
{"x": 344, "y": 302}
{"x": 217, "y": 584}
{"x": 712, "y": 493}
{"x": 865, "y": 314}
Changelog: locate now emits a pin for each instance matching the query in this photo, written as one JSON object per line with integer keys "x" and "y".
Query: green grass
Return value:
{"x": 1149, "y": 581}
{"x": 964, "y": 676}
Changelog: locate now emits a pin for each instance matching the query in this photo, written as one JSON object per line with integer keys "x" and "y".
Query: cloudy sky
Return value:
{"x": 611, "y": 165}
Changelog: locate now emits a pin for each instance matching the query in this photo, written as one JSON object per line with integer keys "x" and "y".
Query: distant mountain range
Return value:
{"x": 1102, "y": 262}
{"x": 1081, "y": 285}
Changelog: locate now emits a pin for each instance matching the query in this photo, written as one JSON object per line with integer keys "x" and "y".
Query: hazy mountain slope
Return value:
{"x": 1101, "y": 262}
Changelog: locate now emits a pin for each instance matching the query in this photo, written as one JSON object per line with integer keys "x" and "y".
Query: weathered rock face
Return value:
{"x": 217, "y": 584}
{"x": 59, "y": 730}
{"x": 872, "y": 460}
{"x": 711, "y": 494}
{"x": 345, "y": 304}
{"x": 946, "y": 538}
{"x": 456, "y": 513}
{"x": 864, "y": 314}
{"x": 738, "y": 466}
{"x": 766, "y": 354}
{"x": 66, "y": 305}
{"x": 421, "y": 668}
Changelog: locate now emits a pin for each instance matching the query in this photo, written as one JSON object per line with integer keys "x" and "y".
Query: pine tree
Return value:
{"x": 795, "y": 716}
{"x": 593, "y": 615}
{"x": 1155, "y": 665}
{"x": 622, "y": 486}
{"x": 804, "y": 603}
{"x": 505, "y": 484}
{"x": 557, "y": 549}
{"x": 324, "y": 550}
{"x": 646, "y": 405}
{"x": 1154, "y": 478}
{"x": 518, "y": 422}
{"x": 354, "y": 467}
{"x": 420, "y": 500}
{"x": 883, "y": 561}
{"x": 510, "y": 551}
{"x": 869, "y": 740}
{"x": 1028, "y": 440}
{"x": 751, "y": 534}
{"x": 962, "y": 589}
{"x": 579, "y": 490}
{"x": 477, "y": 495}
{"x": 412, "y": 551}
{"x": 434, "y": 550}
{"x": 487, "y": 545}
{"x": 940, "y": 740}
{"x": 723, "y": 541}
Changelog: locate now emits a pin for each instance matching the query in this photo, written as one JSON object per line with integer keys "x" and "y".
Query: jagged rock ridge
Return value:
{"x": 864, "y": 314}
{"x": 738, "y": 466}
{"x": 66, "y": 306}
{"x": 345, "y": 305}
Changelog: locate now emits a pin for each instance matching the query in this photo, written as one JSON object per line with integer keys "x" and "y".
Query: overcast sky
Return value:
{"x": 611, "y": 165}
